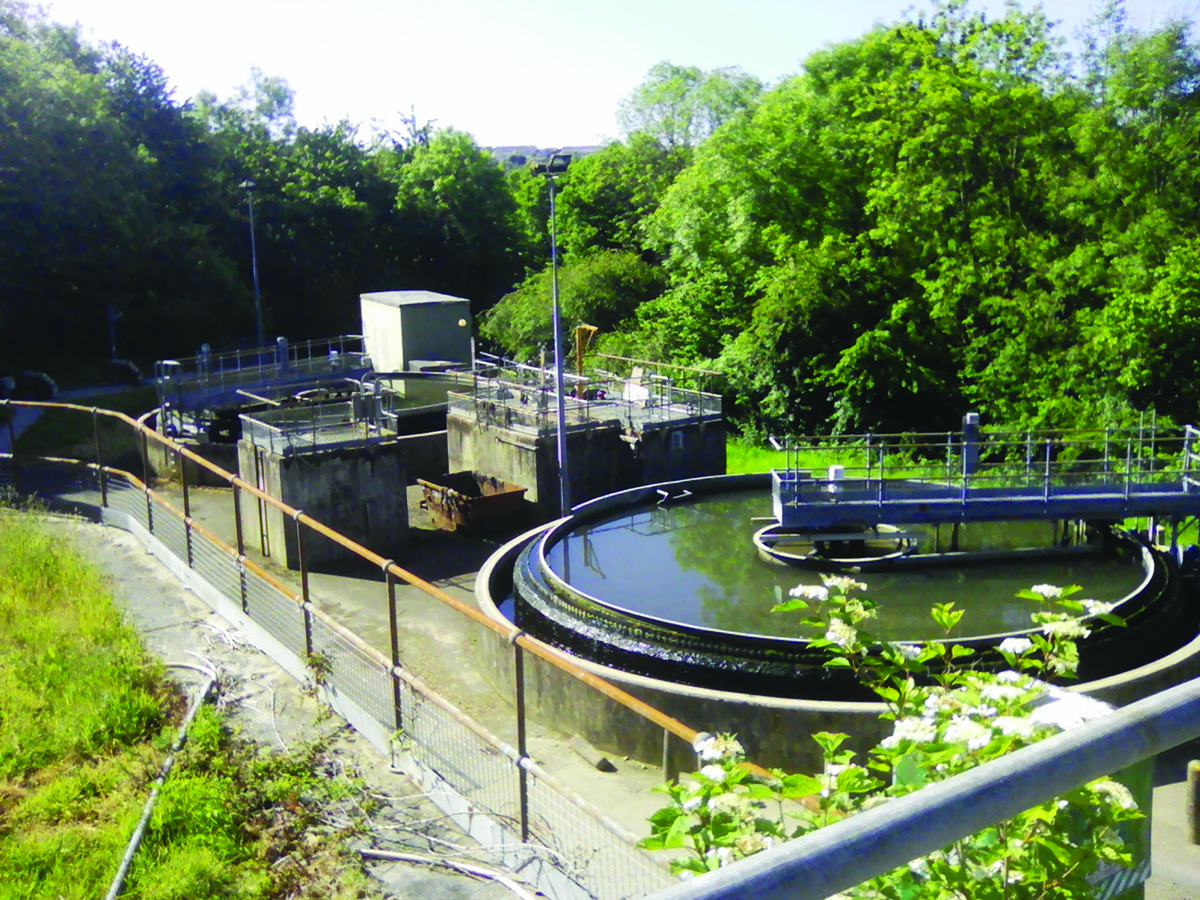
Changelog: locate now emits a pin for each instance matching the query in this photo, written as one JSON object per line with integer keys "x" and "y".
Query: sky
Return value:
{"x": 509, "y": 72}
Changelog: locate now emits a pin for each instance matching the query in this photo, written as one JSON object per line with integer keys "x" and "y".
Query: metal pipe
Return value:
{"x": 522, "y": 749}
{"x": 135, "y": 840}
{"x": 878, "y": 840}
{"x": 394, "y": 631}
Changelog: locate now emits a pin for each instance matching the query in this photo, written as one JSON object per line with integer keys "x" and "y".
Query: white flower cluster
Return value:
{"x": 965, "y": 730}
{"x": 1066, "y": 628}
{"x": 714, "y": 772}
{"x": 747, "y": 844}
{"x": 1017, "y": 646}
{"x": 841, "y": 633}
{"x": 1097, "y": 607}
{"x": 1047, "y": 591}
{"x": 1001, "y": 693}
{"x": 911, "y": 729}
{"x": 1115, "y": 792}
{"x": 843, "y": 583}
{"x": 713, "y": 748}
{"x": 736, "y": 805}
{"x": 814, "y": 592}
{"x": 906, "y": 651}
{"x": 1015, "y": 725}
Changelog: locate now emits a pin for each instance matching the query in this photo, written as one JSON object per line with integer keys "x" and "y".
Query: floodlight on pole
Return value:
{"x": 557, "y": 166}
{"x": 248, "y": 186}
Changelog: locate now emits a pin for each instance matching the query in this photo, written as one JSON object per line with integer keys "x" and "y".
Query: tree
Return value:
{"x": 603, "y": 289}
{"x": 607, "y": 196}
{"x": 682, "y": 106}
{"x": 458, "y": 218}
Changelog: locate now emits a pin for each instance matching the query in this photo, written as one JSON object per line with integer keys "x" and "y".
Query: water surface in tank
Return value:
{"x": 694, "y": 562}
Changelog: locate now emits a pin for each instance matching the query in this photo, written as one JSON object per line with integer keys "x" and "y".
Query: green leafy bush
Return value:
{"x": 947, "y": 719}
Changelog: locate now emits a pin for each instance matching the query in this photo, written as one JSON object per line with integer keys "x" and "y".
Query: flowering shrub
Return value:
{"x": 947, "y": 718}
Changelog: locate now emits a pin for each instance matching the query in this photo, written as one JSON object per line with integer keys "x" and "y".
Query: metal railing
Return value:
{"x": 304, "y": 428}
{"x": 1126, "y": 464}
{"x": 473, "y": 774}
{"x": 530, "y": 406}
{"x": 875, "y": 841}
{"x": 470, "y": 771}
{"x": 181, "y": 383}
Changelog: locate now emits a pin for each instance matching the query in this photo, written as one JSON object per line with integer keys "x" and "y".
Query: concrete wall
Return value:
{"x": 402, "y": 326}
{"x": 774, "y": 731}
{"x": 359, "y": 492}
{"x": 601, "y": 459}
{"x": 424, "y": 455}
{"x": 677, "y": 450}
{"x": 507, "y": 455}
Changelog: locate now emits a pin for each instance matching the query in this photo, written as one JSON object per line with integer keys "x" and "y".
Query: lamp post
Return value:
{"x": 248, "y": 186}
{"x": 556, "y": 166}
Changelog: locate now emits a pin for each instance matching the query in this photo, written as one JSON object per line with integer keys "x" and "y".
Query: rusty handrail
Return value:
{"x": 540, "y": 649}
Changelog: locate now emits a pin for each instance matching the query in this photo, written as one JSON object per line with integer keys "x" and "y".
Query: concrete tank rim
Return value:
{"x": 506, "y": 554}
{"x": 554, "y": 531}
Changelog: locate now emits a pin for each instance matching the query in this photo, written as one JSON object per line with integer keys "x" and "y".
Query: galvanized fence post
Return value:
{"x": 101, "y": 473}
{"x": 145, "y": 456}
{"x": 237, "y": 518}
{"x": 394, "y": 628}
{"x": 303, "y": 564}
{"x": 187, "y": 507}
{"x": 1046, "y": 474}
{"x": 522, "y": 752}
{"x": 241, "y": 545}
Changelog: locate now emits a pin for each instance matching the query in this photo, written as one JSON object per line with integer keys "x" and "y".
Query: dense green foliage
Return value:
{"x": 118, "y": 199}
{"x": 87, "y": 719}
{"x": 949, "y": 212}
{"x": 942, "y": 214}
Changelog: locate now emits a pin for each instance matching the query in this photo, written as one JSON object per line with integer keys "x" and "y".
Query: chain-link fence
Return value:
{"x": 586, "y": 853}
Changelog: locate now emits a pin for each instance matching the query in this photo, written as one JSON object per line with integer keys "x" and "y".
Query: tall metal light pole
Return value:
{"x": 556, "y": 166}
{"x": 248, "y": 186}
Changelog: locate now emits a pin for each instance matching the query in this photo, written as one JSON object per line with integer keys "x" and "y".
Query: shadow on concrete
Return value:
{"x": 1170, "y": 767}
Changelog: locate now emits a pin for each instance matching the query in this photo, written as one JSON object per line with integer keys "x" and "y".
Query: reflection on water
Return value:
{"x": 695, "y": 563}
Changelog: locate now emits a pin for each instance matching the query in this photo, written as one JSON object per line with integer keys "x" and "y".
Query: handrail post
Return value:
{"x": 239, "y": 535}
{"x": 1046, "y": 477}
{"x": 394, "y": 630}
{"x": 1128, "y": 464}
{"x": 881, "y": 456}
{"x": 522, "y": 751}
{"x": 187, "y": 507}
{"x": 1187, "y": 456}
{"x": 101, "y": 474}
{"x": 303, "y": 564}
{"x": 145, "y": 457}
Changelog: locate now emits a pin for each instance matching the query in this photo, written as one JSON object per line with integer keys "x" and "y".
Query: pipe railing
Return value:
{"x": 879, "y": 840}
{"x": 521, "y": 642}
{"x": 816, "y": 866}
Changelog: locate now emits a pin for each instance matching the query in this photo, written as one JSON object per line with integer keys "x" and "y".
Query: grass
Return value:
{"x": 745, "y": 459}
{"x": 86, "y": 717}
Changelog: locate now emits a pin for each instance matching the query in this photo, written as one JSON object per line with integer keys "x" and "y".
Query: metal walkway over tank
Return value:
{"x": 215, "y": 380}
{"x": 868, "y": 480}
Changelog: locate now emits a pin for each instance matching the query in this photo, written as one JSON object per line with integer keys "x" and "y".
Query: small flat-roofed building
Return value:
{"x": 404, "y": 327}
